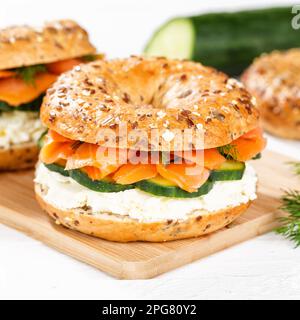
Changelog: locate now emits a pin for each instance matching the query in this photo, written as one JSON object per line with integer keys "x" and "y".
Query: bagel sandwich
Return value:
{"x": 147, "y": 149}
{"x": 31, "y": 59}
{"x": 275, "y": 82}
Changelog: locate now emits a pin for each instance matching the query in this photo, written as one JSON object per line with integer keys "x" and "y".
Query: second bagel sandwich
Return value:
{"x": 30, "y": 61}
{"x": 147, "y": 149}
{"x": 274, "y": 80}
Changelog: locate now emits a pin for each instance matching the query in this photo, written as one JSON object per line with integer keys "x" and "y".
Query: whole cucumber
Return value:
{"x": 226, "y": 41}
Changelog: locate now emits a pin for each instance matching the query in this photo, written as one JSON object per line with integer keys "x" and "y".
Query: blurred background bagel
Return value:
{"x": 274, "y": 79}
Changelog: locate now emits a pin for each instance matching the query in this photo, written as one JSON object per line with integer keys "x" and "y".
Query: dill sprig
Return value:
{"x": 291, "y": 204}
{"x": 291, "y": 224}
{"x": 92, "y": 57}
{"x": 89, "y": 57}
{"x": 28, "y": 73}
{"x": 229, "y": 151}
{"x": 296, "y": 167}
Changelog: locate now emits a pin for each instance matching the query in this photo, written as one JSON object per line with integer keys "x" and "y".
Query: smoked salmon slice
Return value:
{"x": 213, "y": 159}
{"x": 63, "y": 66}
{"x": 189, "y": 177}
{"x": 253, "y": 134}
{"x": 249, "y": 145}
{"x": 209, "y": 158}
{"x": 15, "y": 91}
{"x": 93, "y": 173}
{"x": 83, "y": 156}
{"x": 55, "y": 136}
{"x": 131, "y": 173}
{"x": 57, "y": 147}
{"x": 99, "y": 162}
{"x": 6, "y": 74}
{"x": 54, "y": 151}
{"x": 107, "y": 160}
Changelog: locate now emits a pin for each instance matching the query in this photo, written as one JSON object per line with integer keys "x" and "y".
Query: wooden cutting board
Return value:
{"x": 19, "y": 210}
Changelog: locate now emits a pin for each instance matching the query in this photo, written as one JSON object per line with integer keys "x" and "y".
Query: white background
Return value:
{"x": 267, "y": 267}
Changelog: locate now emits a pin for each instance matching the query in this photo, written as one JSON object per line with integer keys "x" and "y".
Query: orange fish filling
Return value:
{"x": 6, "y": 74}
{"x": 209, "y": 158}
{"x": 249, "y": 145}
{"x": 131, "y": 173}
{"x": 15, "y": 91}
{"x": 99, "y": 162}
{"x": 90, "y": 155}
{"x": 189, "y": 177}
{"x": 63, "y": 66}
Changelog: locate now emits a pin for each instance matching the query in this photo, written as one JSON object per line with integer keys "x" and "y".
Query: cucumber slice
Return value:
{"x": 104, "y": 185}
{"x": 229, "y": 170}
{"x": 41, "y": 139}
{"x": 162, "y": 187}
{"x": 228, "y": 41}
{"x": 57, "y": 168}
{"x": 174, "y": 40}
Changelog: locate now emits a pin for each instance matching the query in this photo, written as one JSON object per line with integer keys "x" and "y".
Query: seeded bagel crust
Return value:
{"x": 57, "y": 40}
{"x": 22, "y": 156}
{"x": 274, "y": 79}
{"x": 123, "y": 229}
{"x": 150, "y": 96}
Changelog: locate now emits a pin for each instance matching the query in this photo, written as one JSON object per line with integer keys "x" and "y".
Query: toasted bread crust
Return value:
{"x": 149, "y": 95}
{"x": 120, "y": 229}
{"x": 274, "y": 80}
{"x": 17, "y": 157}
{"x": 57, "y": 40}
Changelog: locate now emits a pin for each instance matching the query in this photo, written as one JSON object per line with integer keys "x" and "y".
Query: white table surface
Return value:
{"x": 267, "y": 267}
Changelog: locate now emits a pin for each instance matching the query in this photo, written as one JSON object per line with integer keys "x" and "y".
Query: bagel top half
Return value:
{"x": 168, "y": 96}
{"x": 58, "y": 40}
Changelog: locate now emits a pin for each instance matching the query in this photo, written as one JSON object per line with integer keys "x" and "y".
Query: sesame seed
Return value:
{"x": 225, "y": 109}
{"x": 166, "y": 124}
{"x": 253, "y": 101}
{"x": 199, "y": 126}
{"x": 86, "y": 92}
{"x": 161, "y": 114}
{"x": 107, "y": 120}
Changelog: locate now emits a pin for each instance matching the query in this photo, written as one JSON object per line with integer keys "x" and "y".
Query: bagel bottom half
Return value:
{"x": 123, "y": 229}
{"x": 20, "y": 156}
